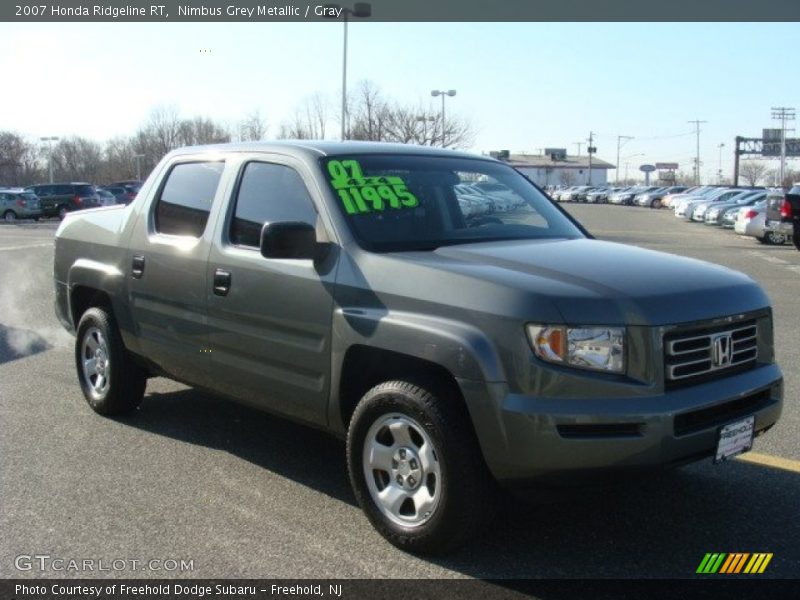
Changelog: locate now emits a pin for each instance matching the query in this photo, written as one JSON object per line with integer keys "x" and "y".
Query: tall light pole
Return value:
{"x": 361, "y": 10}
{"x": 443, "y": 93}
{"x": 619, "y": 145}
{"x": 138, "y": 157}
{"x": 697, "y": 157}
{"x": 50, "y": 141}
{"x": 721, "y": 145}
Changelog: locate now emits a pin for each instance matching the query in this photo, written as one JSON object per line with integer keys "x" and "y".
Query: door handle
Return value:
{"x": 222, "y": 282}
{"x": 137, "y": 266}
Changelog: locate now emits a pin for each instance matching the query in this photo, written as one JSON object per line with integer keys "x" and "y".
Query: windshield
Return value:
{"x": 396, "y": 202}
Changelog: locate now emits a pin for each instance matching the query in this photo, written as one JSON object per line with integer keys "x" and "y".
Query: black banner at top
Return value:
{"x": 398, "y": 10}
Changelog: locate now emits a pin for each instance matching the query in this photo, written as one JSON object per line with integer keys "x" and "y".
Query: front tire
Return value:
{"x": 416, "y": 468}
{"x": 10, "y": 216}
{"x": 111, "y": 382}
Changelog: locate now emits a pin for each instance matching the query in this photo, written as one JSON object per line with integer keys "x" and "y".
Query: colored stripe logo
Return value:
{"x": 733, "y": 563}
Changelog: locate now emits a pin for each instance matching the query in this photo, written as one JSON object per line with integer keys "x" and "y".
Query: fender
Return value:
{"x": 460, "y": 348}
{"x": 105, "y": 278}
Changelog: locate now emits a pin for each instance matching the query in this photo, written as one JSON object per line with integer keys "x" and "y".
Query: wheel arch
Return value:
{"x": 363, "y": 367}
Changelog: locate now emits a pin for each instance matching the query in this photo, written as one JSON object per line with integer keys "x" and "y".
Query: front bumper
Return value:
{"x": 525, "y": 438}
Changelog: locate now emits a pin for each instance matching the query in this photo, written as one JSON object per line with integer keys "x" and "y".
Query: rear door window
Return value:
{"x": 269, "y": 193}
{"x": 184, "y": 203}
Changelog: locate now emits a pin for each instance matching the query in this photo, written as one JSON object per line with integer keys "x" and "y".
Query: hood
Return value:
{"x": 587, "y": 282}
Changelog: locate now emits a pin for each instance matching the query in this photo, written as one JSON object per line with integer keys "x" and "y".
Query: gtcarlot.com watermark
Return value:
{"x": 60, "y": 564}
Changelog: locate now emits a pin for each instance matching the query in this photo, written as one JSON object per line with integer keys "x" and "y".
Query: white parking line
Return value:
{"x": 49, "y": 244}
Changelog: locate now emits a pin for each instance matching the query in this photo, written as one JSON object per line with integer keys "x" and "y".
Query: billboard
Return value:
{"x": 665, "y": 166}
{"x": 771, "y": 143}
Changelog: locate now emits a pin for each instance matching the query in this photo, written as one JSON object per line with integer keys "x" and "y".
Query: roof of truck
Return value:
{"x": 328, "y": 148}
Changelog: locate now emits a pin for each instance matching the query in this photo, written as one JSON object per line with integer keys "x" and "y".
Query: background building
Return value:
{"x": 564, "y": 170}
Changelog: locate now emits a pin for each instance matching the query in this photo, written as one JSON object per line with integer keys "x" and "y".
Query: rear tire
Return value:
{"x": 111, "y": 382}
{"x": 62, "y": 212}
{"x": 416, "y": 468}
{"x": 655, "y": 203}
{"x": 9, "y": 216}
{"x": 775, "y": 239}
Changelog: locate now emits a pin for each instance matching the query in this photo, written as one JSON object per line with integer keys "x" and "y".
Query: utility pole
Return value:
{"x": 591, "y": 150}
{"x": 697, "y": 158}
{"x": 783, "y": 114}
{"x": 719, "y": 173}
{"x": 619, "y": 139}
{"x": 578, "y": 144}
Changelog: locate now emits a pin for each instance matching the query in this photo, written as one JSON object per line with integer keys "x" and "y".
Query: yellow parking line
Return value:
{"x": 768, "y": 460}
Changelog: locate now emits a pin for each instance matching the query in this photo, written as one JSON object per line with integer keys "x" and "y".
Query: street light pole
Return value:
{"x": 360, "y": 10}
{"x": 443, "y": 93}
{"x": 137, "y": 157}
{"x": 50, "y": 141}
{"x": 344, "y": 79}
{"x": 719, "y": 176}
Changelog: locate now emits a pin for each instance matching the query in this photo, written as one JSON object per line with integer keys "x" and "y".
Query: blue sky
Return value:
{"x": 524, "y": 85}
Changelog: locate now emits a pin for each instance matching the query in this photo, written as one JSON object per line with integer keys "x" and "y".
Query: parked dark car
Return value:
{"x": 57, "y": 199}
{"x": 121, "y": 194}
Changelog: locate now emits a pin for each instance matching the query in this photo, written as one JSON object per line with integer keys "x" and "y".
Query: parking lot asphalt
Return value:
{"x": 243, "y": 494}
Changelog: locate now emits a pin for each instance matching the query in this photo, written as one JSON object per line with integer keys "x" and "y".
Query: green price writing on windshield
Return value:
{"x": 361, "y": 194}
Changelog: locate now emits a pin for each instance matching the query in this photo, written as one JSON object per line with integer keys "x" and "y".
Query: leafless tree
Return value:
{"x": 310, "y": 120}
{"x": 119, "y": 162}
{"x": 19, "y": 160}
{"x": 78, "y": 159}
{"x": 374, "y": 117}
{"x": 369, "y": 114}
{"x": 201, "y": 130}
{"x": 163, "y": 130}
{"x": 253, "y": 127}
{"x": 752, "y": 171}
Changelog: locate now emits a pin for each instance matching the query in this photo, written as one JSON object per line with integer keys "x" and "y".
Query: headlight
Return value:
{"x": 595, "y": 348}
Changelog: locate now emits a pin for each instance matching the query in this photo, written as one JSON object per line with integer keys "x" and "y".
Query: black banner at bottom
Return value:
{"x": 393, "y": 589}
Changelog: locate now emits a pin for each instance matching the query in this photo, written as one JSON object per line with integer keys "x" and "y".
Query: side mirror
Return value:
{"x": 288, "y": 239}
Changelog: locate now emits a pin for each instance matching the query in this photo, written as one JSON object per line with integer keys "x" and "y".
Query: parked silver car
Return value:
{"x": 16, "y": 203}
{"x": 716, "y": 212}
{"x": 751, "y": 222}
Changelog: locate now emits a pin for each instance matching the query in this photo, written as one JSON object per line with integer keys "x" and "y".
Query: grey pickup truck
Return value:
{"x": 456, "y": 339}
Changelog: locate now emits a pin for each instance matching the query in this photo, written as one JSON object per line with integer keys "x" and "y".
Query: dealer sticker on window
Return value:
{"x": 735, "y": 438}
{"x": 360, "y": 194}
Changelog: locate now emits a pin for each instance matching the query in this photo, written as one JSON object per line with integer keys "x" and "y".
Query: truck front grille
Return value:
{"x": 707, "y": 353}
